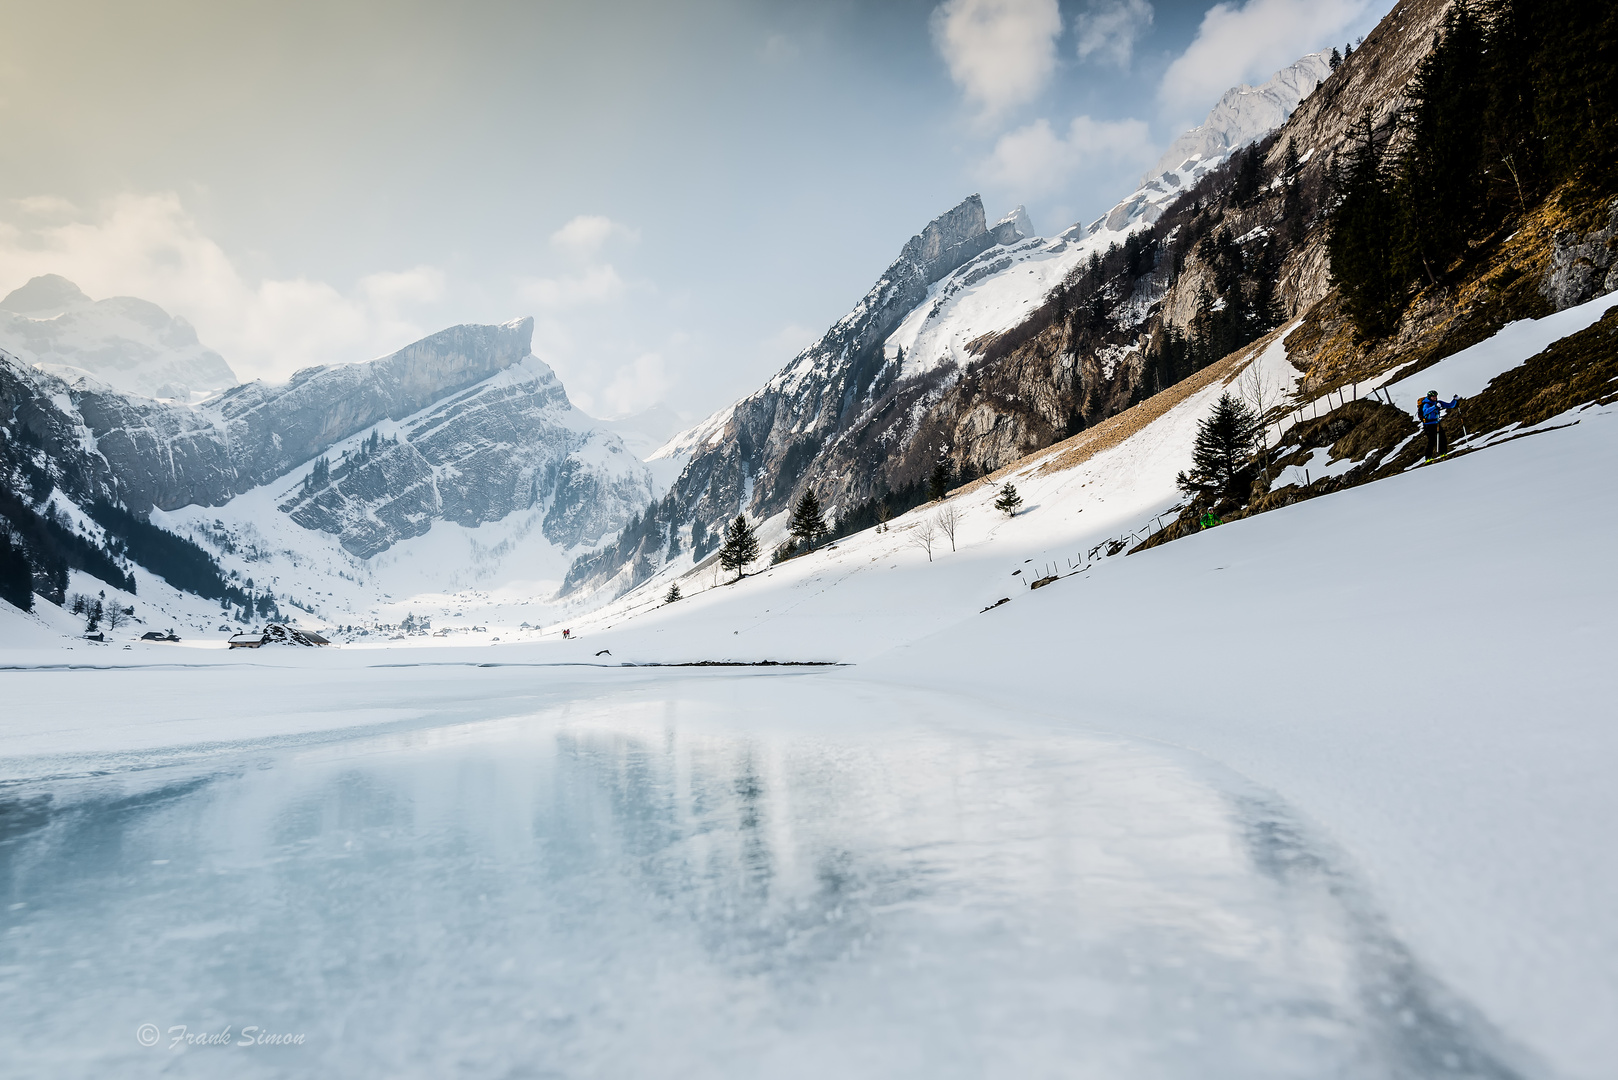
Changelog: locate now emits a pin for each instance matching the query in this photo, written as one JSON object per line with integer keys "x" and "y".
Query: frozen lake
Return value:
{"x": 696, "y": 875}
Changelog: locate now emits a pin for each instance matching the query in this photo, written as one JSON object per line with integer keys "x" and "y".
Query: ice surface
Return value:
{"x": 777, "y": 876}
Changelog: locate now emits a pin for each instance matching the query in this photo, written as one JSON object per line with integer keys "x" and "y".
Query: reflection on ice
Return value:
{"x": 676, "y": 884}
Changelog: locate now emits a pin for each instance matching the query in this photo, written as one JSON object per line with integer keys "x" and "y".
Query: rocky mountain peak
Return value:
{"x": 1244, "y": 114}
{"x": 939, "y": 247}
{"x": 44, "y": 297}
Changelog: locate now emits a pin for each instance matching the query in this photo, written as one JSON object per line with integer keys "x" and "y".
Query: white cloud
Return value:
{"x": 594, "y": 285}
{"x": 1037, "y": 160}
{"x": 1000, "y": 52}
{"x": 1110, "y": 28}
{"x": 787, "y": 342}
{"x": 1250, "y": 42}
{"x": 148, "y": 246}
{"x": 637, "y": 385}
{"x": 585, "y": 236}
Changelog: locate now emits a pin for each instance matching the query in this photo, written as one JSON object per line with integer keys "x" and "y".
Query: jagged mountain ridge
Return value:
{"x": 476, "y": 429}
{"x": 131, "y": 345}
{"x": 857, "y": 417}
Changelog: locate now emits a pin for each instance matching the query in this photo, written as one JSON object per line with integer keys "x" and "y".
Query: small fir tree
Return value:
{"x": 808, "y": 523}
{"x": 740, "y": 546}
{"x": 1225, "y": 442}
{"x": 673, "y": 594}
{"x": 1009, "y": 500}
{"x": 938, "y": 482}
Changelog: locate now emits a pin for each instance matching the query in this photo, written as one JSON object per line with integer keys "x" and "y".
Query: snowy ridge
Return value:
{"x": 1243, "y": 115}
{"x": 122, "y": 342}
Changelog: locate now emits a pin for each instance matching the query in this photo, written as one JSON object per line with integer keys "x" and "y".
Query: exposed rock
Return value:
{"x": 1582, "y": 267}
{"x": 479, "y": 428}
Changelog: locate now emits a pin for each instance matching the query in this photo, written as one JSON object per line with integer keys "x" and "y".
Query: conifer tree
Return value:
{"x": 1224, "y": 443}
{"x": 673, "y": 594}
{"x": 740, "y": 546}
{"x": 1438, "y": 186}
{"x": 16, "y": 575}
{"x": 1361, "y": 242}
{"x": 1009, "y": 500}
{"x": 807, "y": 524}
{"x": 938, "y": 482}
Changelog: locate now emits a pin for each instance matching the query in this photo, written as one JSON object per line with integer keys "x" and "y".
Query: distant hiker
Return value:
{"x": 566, "y": 634}
{"x": 1210, "y": 519}
{"x": 1432, "y": 411}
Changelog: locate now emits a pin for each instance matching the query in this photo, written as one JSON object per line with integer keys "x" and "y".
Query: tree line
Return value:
{"x": 1516, "y": 98}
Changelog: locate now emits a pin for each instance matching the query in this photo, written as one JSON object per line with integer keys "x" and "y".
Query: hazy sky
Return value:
{"x": 681, "y": 193}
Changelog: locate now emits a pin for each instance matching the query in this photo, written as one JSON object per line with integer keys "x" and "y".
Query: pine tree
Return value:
{"x": 740, "y": 546}
{"x": 1361, "y": 242}
{"x": 16, "y": 575}
{"x": 1225, "y": 441}
{"x": 1009, "y": 500}
{"x": 1336, "y": 58}
{"x": 673, "y": 594}
{"x": 1249, "y": 177}
{"x": 938, "y": 482}
{"x": 807, "y": 524}
{"x": 1439, "y": 172}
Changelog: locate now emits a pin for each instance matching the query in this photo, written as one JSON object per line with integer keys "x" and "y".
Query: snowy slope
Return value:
{"x": 128, "y": 344}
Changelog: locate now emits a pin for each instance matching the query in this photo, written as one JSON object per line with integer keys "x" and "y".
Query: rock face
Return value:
{"x": 477, "y": 428}
{"x": 1582, "y": 267}
{"x": 774, "y": 433}
{"x": 507, "y": 444}
{"x": 1244, "y": 115}
{"x": 128, "y": 344}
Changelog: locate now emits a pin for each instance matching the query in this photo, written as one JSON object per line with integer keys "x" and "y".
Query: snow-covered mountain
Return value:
{"x": 872, "y": 405}
{"x": 129, "y": 344}
{"x": 461, "y": 430}
{"x": 1244, "y": 115}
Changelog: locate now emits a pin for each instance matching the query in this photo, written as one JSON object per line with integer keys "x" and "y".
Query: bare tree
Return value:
{"x": 947, "y": 519}
{"x": 883, "y": 513}
{"x": 923, "y": 536}
{"x": 115, "y": 617}
{"x": 1262, "y": 396}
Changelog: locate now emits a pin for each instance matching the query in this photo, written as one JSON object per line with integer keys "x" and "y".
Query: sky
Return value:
{"x": 681, "y": 194}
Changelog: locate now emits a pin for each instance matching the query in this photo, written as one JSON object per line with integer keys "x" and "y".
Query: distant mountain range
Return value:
{"x": 465, "y": 427}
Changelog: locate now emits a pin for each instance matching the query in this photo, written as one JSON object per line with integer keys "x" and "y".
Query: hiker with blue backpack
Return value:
{"x": 1432, "y": 411}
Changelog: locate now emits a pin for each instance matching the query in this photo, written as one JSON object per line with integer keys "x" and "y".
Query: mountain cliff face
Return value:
{"x": 129, "y": 344}
{"x": 465, "y": 426}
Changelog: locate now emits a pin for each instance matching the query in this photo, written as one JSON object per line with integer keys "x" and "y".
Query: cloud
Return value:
{"x": 585, "y": 236}
{"x": 47, "y": 206}
{"x": 148, "y": 246}
{"x": 1250, "y": 42}
{"x": 637, "y": 385}
{"x": 1036, "y": 160}
{"x": 1110, "y": 28}
{"x": 1000, "y": 52}
{"x": 594, "y": 285}
{"x": 788, "y": 342}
